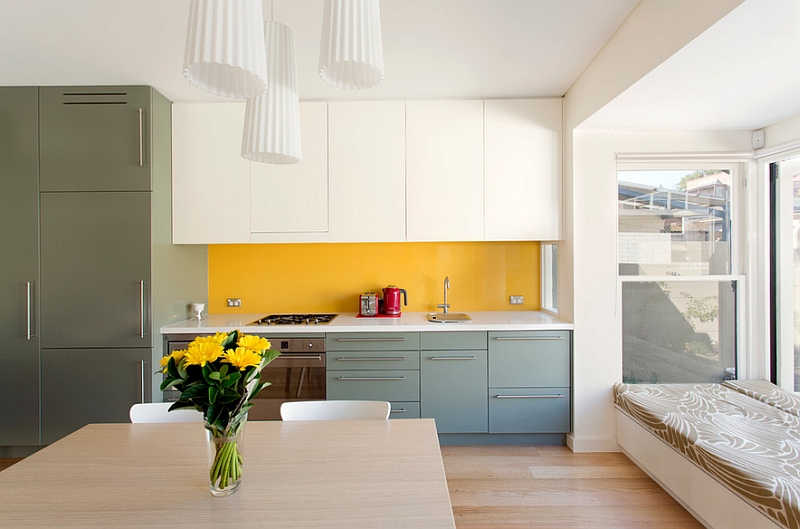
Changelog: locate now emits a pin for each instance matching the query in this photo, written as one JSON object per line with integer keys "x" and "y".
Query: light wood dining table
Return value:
{"x": 305, "y": 474}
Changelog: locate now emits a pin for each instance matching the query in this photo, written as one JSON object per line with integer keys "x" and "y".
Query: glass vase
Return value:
{"x": 225, "y": 459}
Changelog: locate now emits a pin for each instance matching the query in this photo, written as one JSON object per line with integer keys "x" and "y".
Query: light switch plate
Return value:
{"x": 516, "y": 300}
{"x": 234, "y": 302}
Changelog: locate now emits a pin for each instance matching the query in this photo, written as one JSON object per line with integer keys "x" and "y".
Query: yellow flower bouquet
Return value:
{"x": 219, "y": 376}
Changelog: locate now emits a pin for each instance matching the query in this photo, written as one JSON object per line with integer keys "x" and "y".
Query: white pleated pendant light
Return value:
{"x": 224, "y": 51}
{"x": 272, "y": 120}
{"x": 351, "y": 50}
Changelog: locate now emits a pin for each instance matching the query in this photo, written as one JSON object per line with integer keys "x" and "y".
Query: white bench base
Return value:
{"x": 713, "y": 504}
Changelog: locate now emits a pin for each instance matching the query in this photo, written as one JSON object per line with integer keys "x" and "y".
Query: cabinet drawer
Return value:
{"x": 404, "y": 410}
{"x": 371, "y": 360}
{"x": 529, "y": 359}
{"x": 372, "y": 341}
{"x": 452, "y": 340}
{"x": 400, "y": 385}
{"x": 453, "y": 390}
{"x": 529, "y": 410}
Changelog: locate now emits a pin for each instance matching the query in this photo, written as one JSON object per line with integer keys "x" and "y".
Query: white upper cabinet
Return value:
{"x": 367, "y": 171}
{"x": 290, "y": 202}
{"x": 522, "y": 169}
{"x": 444, "y": 171}
{"x": 210, "y": 179}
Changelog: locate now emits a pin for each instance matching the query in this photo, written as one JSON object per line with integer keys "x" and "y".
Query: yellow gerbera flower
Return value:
{"x": 218, "y": 338}
{"x": 242, "y": 358}
{"x": 254, "y": 343}
{"x": 177, "y": 355}
{"x": 199, "y": 354}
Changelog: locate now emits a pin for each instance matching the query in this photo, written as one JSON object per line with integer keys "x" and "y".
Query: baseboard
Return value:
{"x": 592, "y": 445}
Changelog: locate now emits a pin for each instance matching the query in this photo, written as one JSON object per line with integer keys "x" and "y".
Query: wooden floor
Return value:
{"x": 497, "y": 487}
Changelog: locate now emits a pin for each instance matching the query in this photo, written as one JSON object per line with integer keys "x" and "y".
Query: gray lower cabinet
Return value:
{"x": 453, "y": 374}
{"x": 82, "y": 386}
{"x": 19, "y": 269}
{"x": 529, "y": 382}
{"x": 375, "y": 366}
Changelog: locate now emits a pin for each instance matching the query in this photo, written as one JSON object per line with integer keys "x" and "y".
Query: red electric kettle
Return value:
{"x": 391, "y": 300}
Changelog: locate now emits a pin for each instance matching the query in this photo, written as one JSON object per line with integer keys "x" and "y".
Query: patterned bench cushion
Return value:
{"x": 750, "y": 447}
{"x": 767, "y": 392}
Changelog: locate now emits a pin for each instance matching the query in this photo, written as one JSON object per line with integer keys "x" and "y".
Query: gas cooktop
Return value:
{"x": 295, "y": 319}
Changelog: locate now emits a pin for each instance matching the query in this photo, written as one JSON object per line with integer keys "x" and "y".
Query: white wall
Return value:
{"x": 598, "y": 337}
{"x": 655, "y": 30}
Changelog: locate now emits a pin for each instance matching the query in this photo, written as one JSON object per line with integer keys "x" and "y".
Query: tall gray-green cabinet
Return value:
{"x": 109, "y": 276}
{"x": 19, "y": 269}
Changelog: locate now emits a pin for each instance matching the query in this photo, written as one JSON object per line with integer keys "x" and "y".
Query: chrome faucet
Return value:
{"x": 444, "y": 306}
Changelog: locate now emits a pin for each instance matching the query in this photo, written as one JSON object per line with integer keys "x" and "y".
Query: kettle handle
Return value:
{"x": 405, "y": 296}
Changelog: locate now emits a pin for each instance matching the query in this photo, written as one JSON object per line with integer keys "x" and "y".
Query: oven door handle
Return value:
{"x": 371, "y": 378}
{"x": 290, "y": 356}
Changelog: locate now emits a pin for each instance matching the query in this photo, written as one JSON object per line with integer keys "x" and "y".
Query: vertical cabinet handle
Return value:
{"x": 141, "y": 137}
{"x": 141, "y": 309}
{"x": 144, "y": 367}
{"x": 29, "y": 332}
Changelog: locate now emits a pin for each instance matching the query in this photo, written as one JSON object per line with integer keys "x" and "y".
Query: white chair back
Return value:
{"x": 158, "y": 412}
{"x": 332, "y": 410}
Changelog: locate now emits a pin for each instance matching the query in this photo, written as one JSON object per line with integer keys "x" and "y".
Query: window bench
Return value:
{"x": 732, "y": 460}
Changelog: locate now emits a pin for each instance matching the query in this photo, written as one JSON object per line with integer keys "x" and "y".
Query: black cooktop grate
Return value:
{"x": 295, "y": 319}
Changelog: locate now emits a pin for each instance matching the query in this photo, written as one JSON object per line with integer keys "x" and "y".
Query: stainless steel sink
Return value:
{"x": 450, "y": 317}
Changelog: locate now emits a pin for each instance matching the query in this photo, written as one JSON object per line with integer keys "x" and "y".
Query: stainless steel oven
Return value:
{"x": 297, "y": 374}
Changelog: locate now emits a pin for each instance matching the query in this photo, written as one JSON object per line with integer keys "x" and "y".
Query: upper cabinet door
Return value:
{"x": 367, "y": 171}
{"x": 210, "y": 179}
{"x": 94, "y": 138}
{"x": 523, "y": 169}
{"x": 290, "y": 202}
{"x": 444, "y": 170}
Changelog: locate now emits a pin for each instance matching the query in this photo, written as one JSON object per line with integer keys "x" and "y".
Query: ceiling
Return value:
{"x": 432, "y": 48}
{"x": 743, "y": 73}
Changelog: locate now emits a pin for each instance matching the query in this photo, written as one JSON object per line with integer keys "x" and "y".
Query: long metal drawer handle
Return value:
{"x": 372, "y": 359}
{"x": 526, "y": 338}
{"x": 143, "y": 375}
{"x": 399, "y": 410}
{"x": 141, "y": 309}
{"x": 141, "y": 137}
{"x": 371, "y": 378}
{"x": 29, "y": 333}
{"x": 556, "y": 396}
{"x": 368, "y": 340}
{"x": 453, "y": 358}
{"x": 290, "y": 356}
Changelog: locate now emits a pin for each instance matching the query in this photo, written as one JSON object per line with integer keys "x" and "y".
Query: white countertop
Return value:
{"x": 348, "y": 322}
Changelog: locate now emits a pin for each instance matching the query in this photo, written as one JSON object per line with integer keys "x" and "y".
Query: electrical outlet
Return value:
{"x": 516, "y": 300}
{"x": 234, "y": 302}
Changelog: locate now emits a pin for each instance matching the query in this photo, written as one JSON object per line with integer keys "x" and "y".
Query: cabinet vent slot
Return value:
{"x": 95, "y": 98}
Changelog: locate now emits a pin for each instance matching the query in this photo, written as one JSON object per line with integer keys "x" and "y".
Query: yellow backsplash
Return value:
{"x": 329, "y": 277}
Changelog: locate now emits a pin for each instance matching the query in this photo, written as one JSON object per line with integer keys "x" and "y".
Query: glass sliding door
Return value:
{"x": 785, "y": 273}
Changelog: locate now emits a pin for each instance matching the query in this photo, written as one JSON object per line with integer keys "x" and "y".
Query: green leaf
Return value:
{"x": 231, "y": 379}
{"x": 223, "y": 370}
{"x": 172, "y": 369}
{"x": 270, "y": 355}
{"x": 197, "y": 390}
{"x": 212, "y": 394}
{"x": 215, "y": 375}
{"x": 231, "y": 340}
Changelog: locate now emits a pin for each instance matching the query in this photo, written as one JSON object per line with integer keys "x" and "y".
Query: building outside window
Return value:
{"x": 677, "y": 269}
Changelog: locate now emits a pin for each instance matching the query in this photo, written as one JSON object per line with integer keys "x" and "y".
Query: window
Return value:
{"x": 676, "y": 268}
{"x": 550, "y": 277}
